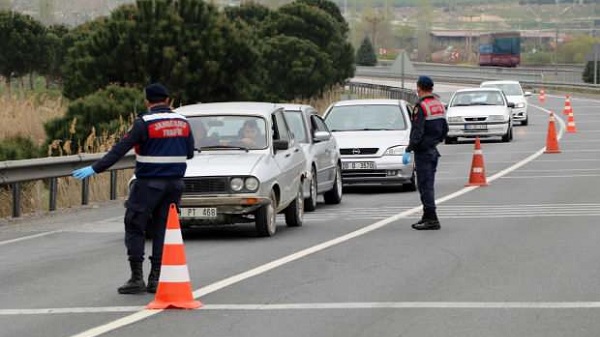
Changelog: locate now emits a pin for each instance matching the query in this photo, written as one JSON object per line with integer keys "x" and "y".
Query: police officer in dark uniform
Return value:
{"x": 429, "y": 128}
{"x": 163, "y": 142}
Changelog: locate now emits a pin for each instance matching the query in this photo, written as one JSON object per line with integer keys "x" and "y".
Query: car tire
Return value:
{"x": 334, "y": 196}
{"x": 294, "y": 213}
{"x": 310, "y": 203}
{"x": 450, "y": 140}
{"x": 508, "y": 136}
{"x": 412, "y": 185}
{"x": 525, "y": 121}
{"x": 265, "y": 218}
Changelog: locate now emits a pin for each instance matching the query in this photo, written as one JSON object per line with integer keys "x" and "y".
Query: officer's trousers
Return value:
{"x": 426, "y": 165}
{"x": 147, "y": 210}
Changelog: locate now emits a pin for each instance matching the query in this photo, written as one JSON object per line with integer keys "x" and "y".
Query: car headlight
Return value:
{"x": 236, "y": 184}
{"x": 455, "y": 119}
{"x": 497, "y": 118}
{"x": 395, "y": 151}
{"x": 520, "y": 105}
{"x": 251, "y": 184}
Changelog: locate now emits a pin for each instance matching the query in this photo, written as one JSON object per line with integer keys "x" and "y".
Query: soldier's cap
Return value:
{"x": 156, "y": 92}
{"x": 425, "y": 82}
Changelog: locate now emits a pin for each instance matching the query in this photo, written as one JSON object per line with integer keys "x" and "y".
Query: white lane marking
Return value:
{"x": 329, "y": 306}
{"x": 29, "y": 237}
{"x": 308, "y": 251}
{"x": 552, "y": 176}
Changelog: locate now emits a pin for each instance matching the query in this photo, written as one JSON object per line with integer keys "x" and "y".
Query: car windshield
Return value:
{"x": 365, "y": 117}
{"x": 294, "y": 119}
{"x": 477, "y": 98}
{"x": 510, "y": 89}
{"x": 217, "y": 132}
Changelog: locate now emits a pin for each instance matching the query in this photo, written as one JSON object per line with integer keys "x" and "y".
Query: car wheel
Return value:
{"x": 294, "y": 213}
{"x": 525, "y": 121}
{"x": 265, "y": 218}
{"x": 412, "y": 185}
{"x": 508, "y": 136}
{"x": 334, "y": 196}
{"x": 450, "y": 140}
{"x": 310, "y": 204}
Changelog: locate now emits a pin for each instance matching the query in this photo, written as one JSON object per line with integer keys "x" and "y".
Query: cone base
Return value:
{"x": 552, "y": 151}
{"x": 174, "y": 305}
{"x": 476, "y": 184}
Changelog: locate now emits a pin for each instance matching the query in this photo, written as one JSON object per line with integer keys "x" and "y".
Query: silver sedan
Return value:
{"x": 323, "y": 163}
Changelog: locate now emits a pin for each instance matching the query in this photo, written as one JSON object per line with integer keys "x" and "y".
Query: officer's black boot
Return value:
{"x": 135, "y": 284}
{"x": 153, "y": 278}
{"x": 428, "y": 222}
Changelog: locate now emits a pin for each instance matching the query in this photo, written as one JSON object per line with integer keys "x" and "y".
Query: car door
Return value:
{"x": 290, "y": 161}
{"x": 326, "y": 153}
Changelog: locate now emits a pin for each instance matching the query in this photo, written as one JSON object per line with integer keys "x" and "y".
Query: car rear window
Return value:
{"x": 510, "y": 89}
{"x": 365, "y": 117}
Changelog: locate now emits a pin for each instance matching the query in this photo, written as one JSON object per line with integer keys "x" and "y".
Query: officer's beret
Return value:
{"x": 425, "y": 82}
{"x": 156, "y": 92}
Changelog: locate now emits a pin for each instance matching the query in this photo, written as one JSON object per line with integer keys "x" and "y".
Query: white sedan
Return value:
{"x": 479, "y": 112}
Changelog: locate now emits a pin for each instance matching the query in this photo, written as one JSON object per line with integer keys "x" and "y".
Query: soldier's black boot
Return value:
{"x": 135, "y": 284}
{"x": 153, "y": 278}
{"x": 428, "y": 222}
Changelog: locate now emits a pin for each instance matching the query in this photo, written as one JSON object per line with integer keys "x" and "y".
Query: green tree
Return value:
{"x": 53, "y": 53}
{"x": 588, "y": 72}
{"x": 365, "y": 55}
{"x": 20, "y": 50}
{"x": 575, "y": 50}
{"x": 107, "y": 111}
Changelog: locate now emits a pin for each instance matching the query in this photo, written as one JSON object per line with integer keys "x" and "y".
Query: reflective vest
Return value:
{"x": 433, "y": 109}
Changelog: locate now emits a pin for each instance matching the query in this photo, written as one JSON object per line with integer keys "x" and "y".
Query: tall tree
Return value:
{"x": 20, "y": 49}
{"x": 365, "y": 55}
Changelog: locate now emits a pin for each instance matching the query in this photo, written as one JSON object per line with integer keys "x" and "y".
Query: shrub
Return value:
{"x": 588, "y": 72}
{"x": 17, "y": 148}
{"x": 365, "y": 55}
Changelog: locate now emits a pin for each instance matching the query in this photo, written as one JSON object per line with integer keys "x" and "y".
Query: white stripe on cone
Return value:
{"x": 173, "y": 237}
{"x": 477, "y": 169}
{"x": 174, "y": 274}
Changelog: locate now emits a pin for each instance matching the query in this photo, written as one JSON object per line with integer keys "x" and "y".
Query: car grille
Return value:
{"x": 206, "y": 185}
{"x": 364, "y": 174}
{"x": 359, "y": 151}
{"x": 475, "y": 119}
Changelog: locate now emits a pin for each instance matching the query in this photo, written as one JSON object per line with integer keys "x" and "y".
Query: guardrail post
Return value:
{"x": 113, "y": 185}
{"x": 85, "y": 191}
{"x": 53, "y": 192}
{"x": 16, "y": 196}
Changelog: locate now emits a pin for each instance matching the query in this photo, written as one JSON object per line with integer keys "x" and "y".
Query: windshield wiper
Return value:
{"x": 235, "y": 147}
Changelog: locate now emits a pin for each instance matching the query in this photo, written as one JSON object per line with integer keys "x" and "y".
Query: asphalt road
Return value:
{"x": 519, "y": 257}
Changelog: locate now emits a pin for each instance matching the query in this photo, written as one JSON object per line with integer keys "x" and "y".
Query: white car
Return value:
{"x": 372, "y": 135}
{"x": 323, "y": 163}
{"x": 515, "y": 94}
{"x": 479, "y": 112}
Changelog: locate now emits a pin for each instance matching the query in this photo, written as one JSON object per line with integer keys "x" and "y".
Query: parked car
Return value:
{"x": 249, "y": 167}
{"x": 515, "y": 94}
{"x": 372, "y": 135}
{"x": 479, "y": 112}
{"x": 323, "y": 162}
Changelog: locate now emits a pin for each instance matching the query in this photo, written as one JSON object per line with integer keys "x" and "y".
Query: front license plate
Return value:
{"x": 358, "y": 165}
{"x": 199, "y": 213}
{"x": 475, "y": 126}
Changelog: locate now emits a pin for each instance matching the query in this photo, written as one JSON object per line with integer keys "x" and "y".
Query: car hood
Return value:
{"x": 516, "y": 99}
{"x": 379, "y": 139}
{"x": 222, "y": 164}
{"x": 476, "y": 110}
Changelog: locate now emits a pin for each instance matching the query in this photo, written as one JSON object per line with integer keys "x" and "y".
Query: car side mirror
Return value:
{"x": 281, "y": 144}
{"x": 527, "y": 93}
{"x": 511, "y": 105}
{"x": 321, "y": 136}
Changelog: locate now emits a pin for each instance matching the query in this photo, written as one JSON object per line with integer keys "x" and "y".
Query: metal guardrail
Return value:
{"x": 14, "y": 173}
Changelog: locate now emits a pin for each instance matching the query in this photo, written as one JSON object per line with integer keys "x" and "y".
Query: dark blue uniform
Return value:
{"x": 163, "y": 141}
{"x": 429, "y": 128}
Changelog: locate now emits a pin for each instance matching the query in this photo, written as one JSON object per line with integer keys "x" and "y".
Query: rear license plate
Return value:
{"x": 358, "y": 165}
{"x": 475, "y": 126}
{"x": 198, "y": 213}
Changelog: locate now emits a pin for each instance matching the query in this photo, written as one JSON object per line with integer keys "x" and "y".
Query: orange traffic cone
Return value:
{"x": 551, "y": 139}
{"x": 571, "y": 128}
{"x": 174, "y": 286}
{"x": 568, "y": 108}
{"x": 477, "y": 176}
{"x": 542, "y": 96}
